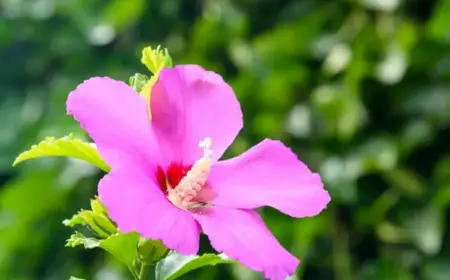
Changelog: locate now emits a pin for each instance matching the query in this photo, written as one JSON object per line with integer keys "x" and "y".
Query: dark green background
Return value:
{"x": 359, "y": 89}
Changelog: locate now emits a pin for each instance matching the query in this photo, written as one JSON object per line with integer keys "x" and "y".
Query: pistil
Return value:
{"x": 190, "y": 185}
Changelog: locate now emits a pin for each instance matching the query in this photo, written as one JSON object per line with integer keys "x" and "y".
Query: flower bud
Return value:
{"x": 156, "y": 59}
{"x": 138, "y": 81}
{"x": 151, "y": 251}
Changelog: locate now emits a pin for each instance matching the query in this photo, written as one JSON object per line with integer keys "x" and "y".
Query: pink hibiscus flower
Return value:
{"x": 166, "y": 181}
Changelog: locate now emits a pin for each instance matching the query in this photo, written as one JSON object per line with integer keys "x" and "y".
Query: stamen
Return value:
{"x": 191, "y": 184}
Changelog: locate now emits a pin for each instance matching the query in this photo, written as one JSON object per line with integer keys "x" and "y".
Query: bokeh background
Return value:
{"x": 360, "y": 89}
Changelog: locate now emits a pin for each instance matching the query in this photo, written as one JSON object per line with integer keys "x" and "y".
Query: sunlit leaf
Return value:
{"x": 426, "y": 230}
{"x": 67, "y": 146}
{"x": 122, "y": 246}
{"x": 176, "y": 265}
{"x": 438, "y": 25}
{"x": 121, "y": 14}
{"x": 75, "y": 278}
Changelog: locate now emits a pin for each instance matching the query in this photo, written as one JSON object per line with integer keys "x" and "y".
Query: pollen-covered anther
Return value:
{"x": 191, "y": 184}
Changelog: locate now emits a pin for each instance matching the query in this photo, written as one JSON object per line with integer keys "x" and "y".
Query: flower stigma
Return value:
{"x": 184, "y": 194}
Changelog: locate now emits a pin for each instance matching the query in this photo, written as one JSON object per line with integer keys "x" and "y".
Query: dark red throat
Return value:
{"x": 173, "y": 175}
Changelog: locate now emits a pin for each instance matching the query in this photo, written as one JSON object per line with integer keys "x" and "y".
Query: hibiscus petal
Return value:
{"x": 188, "y": 104}
{"x": 243, "y": 236}
{"x": 135, "y": 203}
{"x": 269, "y": 174}
{"x": 116, "y": 118}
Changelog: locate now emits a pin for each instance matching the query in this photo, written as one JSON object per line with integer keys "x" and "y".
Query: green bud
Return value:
{"x": 98, "y": 207}
{"x": 156, "y": 59}
{"x": 151, "y": 251}
{"x": 75, "y": 220}
{"x": 138, "y": 81}
{"x": 100, "y": 224}
{"x": 97, "y": 219}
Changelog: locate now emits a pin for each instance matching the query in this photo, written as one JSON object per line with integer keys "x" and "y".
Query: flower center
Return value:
{"x": 182, "y": 184}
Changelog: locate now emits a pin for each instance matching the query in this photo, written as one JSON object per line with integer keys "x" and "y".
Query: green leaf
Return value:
{"x": 386, "y": 268}
{"x": 67, "y": 146}
{"x": 75, "y": 278}
{"x": 438, "y": 25}
{"x": 121, "y": 245}
{"x": 406, "y": 181}
{"x": 122, "y": 14}
{"x": 436, "y": 269}
{"x": 176, "y": 265}
{"x": 426, "y": 229}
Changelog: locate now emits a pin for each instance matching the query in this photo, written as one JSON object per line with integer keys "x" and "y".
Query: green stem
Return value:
{"x": 133, "y": 272}
{"x": 342, "y": 261}
{"x": 144, "y": 271}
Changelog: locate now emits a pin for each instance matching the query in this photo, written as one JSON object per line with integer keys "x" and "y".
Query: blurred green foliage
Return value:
{"x": 360, "y": 89}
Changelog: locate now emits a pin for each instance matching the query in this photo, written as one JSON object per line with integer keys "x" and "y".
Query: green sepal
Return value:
{"x": 151, "y": 251}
